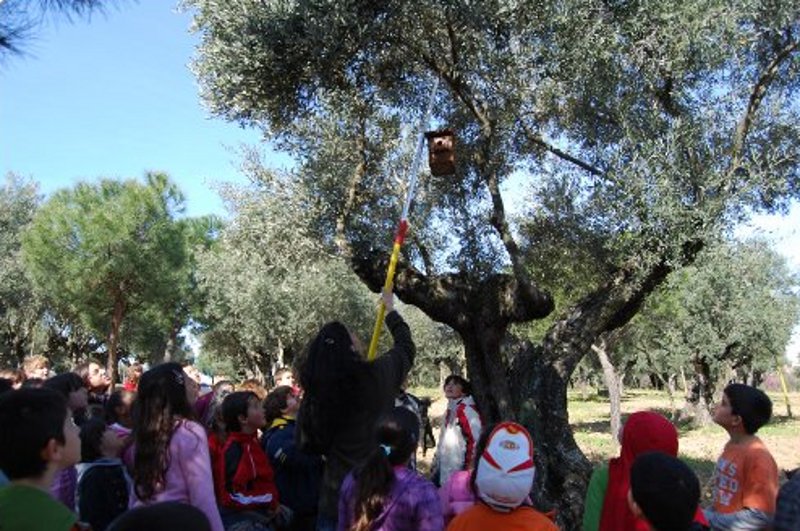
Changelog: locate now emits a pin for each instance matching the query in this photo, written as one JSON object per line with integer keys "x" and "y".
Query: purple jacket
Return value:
{"x": 63, "y": 487}
{"x": 412, "y": 504}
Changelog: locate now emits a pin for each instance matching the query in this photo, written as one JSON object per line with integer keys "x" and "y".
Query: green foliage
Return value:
{"x": 735, "y": 308}
{"x": 646, "y": 131}
{"x": 268, "y": 285}
{"x": 20, "y": 310}
{"x": 19, "y": 18}
{"x": 114, "y": 246}
{"x": 641, "y": 138}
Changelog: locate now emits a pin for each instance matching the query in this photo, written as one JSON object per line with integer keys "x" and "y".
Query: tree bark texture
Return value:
{"x": 701, "y": 394}
{"x": 113, "y": 338}
{"x": 614, "y": 385}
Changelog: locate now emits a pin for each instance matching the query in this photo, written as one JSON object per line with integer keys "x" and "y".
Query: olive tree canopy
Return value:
{"x": 643, "y": 130}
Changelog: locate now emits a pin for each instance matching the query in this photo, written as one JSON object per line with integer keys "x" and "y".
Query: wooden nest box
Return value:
{"x": 441, "y": 152}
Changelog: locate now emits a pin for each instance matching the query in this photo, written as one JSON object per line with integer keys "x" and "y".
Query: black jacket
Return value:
{"x": 377, "y": 384}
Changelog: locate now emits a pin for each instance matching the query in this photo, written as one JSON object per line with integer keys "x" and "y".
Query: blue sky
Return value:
{"x": 113, "y": 97}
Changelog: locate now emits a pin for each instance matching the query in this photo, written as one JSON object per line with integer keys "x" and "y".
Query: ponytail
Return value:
{"x": 373, "y": 483}
{"x": 397, "y": 434}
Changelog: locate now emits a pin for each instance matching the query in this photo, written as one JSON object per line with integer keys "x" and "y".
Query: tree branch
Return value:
{"x": 456, "y": 299}
{"x": 538, "y": 140}
{"x": 757, "y": 95}
{"x": 356, "y": 178}
{"x": 499, "y": 222}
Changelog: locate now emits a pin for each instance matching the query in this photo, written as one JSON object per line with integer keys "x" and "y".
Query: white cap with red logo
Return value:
{"x": 505, "y": 470}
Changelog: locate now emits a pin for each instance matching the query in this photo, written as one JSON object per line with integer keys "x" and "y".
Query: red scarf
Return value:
{"x": 645, "y": 431}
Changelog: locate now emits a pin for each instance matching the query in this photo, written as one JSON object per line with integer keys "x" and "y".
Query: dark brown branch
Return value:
{"x": 756, "y": 97}
{"x": 664, "y": 97}
{"x": 359, "y": 173}
{"x": 538, "y": 140}
{"x": 500, "y": 224}
{"x": 451, "y": 34}
{"x": 456, "y": 299}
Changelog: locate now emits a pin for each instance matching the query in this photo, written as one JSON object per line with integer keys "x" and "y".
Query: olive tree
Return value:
{"x": 644, "y": 130}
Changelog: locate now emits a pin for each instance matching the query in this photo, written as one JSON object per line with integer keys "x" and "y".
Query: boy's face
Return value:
{"x": 453, "y": 390}
{"x": 66, "y": 454}
{"x": 111, "y": 444}
{"x": 78, "y": 399}
{"x": 40, "y": 371}
{"x": 286, "y": 378}
{"x": 255, "y": 415}
{"x": 192, "y": 388}
{"x": 292, "y": 405}
{"x": 723, "y": 414}
{"x": 98, "y": 379}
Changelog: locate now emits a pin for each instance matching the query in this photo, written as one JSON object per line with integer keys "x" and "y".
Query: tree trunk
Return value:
{"x": 172, "y": 341}
{"x": 700, "y": 399}
{"x": 685, "y": 384}
{"x": 523, "y": 383}
{"x": 113, "y": 338}
{"x": 613, "y": 384}
{"x": 671, "y": 388}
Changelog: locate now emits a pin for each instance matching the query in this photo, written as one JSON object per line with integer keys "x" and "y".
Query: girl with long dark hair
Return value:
{"x": 171, "y": 461}
{"x": 384, "y": 493}
{"x": 344, "y": 397}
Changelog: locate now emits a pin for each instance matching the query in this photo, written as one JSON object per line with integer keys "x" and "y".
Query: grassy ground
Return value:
{"x": 700, "y": 447}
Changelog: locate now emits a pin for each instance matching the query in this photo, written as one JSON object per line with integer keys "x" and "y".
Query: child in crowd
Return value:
{"x": 95, "y": 380}
{"x": 411, "y": 403}
{"x": 164, "y": 516}
{"x": 132, "y": 376}
{"x": 70, "y": 386}
{"x": 664, "y": 492}
{"x": 284, "y": 377}
{"x": 787, "y": 510}
{"x": 171, "y": 461}
{"x": 37, "y": 439}
{"x": 298, "y": 475}
{"x": 746, "y": 477}
{"x": 15, "y": 376}
{"x": 36, "y": 366}
{"x": 103, "y": 488}
{"x": 344, "y": 396}
{"x": 118, "y": 412}
{"x": 210, "y": 403}
{"x": 502, "y": 480}
{"x": 456, "y": 496}
{"x": 243, "y": 478}
{"x": 460, "y": 430}
{"x": 606, "y": 506}
{"x": 254, "y": 386}
{"x": 384, "y": 493}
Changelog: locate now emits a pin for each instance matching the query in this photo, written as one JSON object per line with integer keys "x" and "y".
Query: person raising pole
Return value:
{"x": 344, "y": 396}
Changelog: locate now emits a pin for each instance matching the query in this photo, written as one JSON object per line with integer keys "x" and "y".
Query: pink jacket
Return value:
{"x": 456, "y": 495}
{"x": 188, "y": 478}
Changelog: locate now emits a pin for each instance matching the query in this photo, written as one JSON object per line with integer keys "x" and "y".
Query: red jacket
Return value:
{"x": 242, "y": 474}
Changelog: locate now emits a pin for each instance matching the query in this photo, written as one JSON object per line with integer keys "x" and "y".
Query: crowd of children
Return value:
{"x": 336, "y": 452}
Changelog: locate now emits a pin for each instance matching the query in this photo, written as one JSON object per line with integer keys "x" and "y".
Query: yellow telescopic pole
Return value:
{"x": 387, "y": 286}
{"x": 402, "y": 228}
